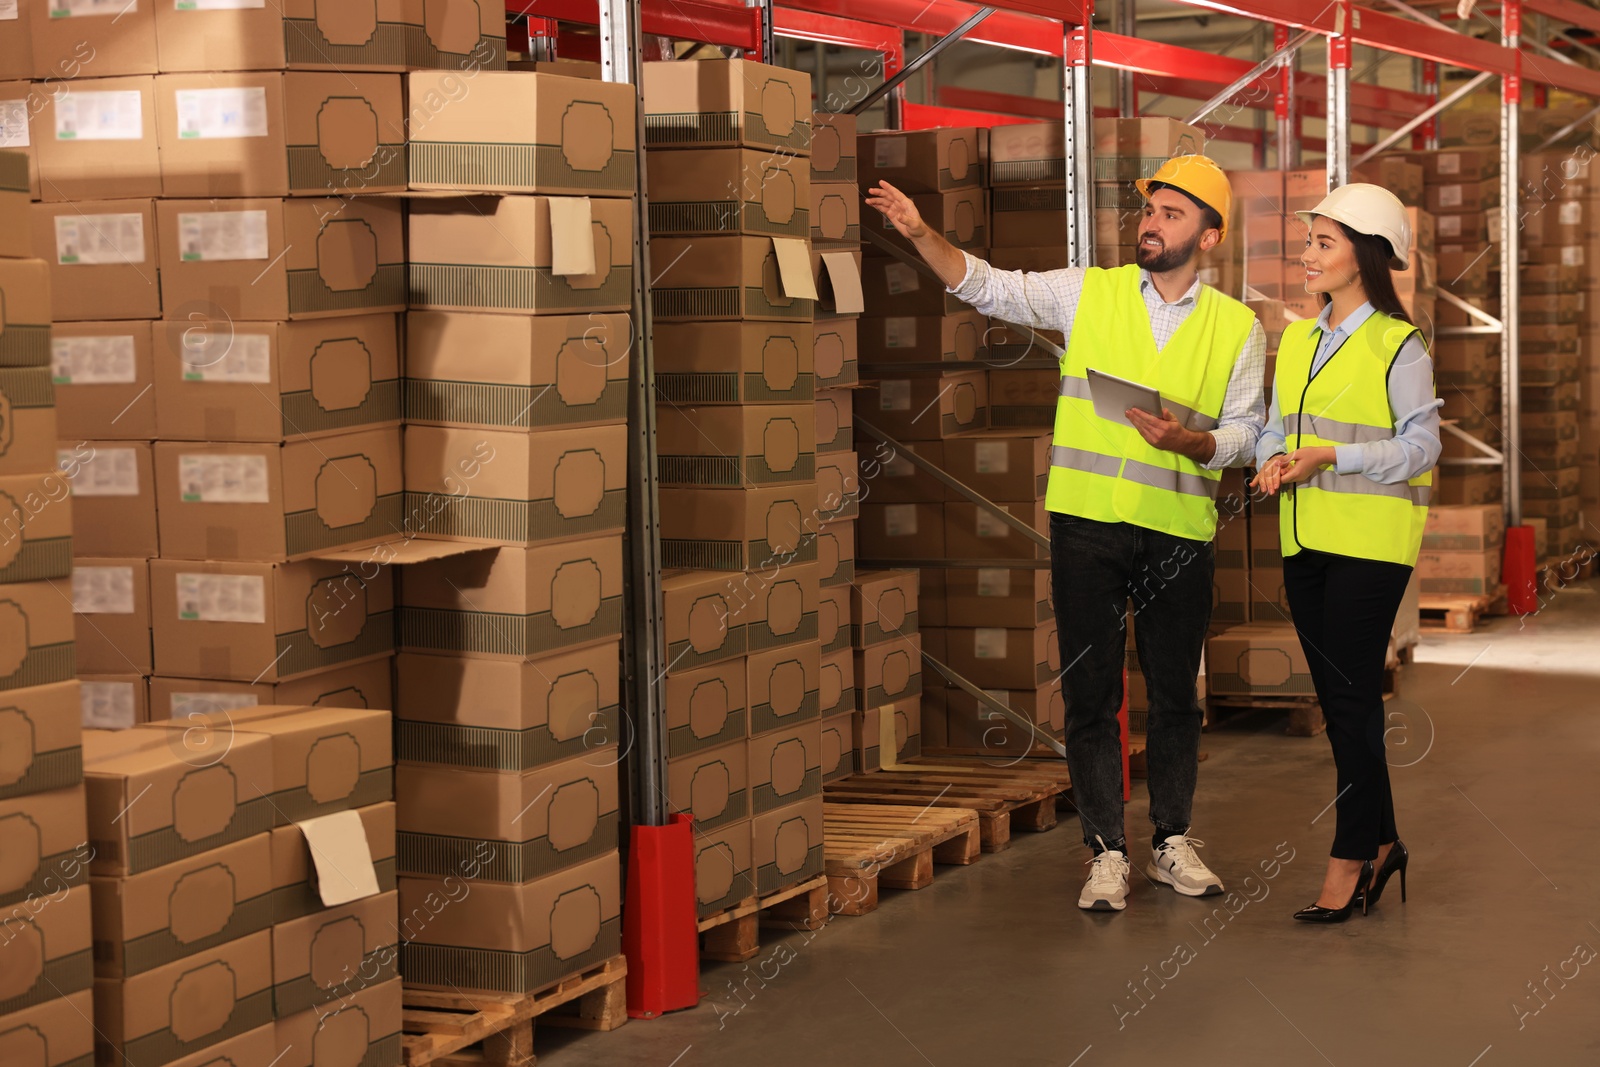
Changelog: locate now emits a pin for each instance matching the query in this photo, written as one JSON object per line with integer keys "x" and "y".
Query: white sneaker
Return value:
{"x": 1107, "y": 886}
{"x": 1177, "y": 864}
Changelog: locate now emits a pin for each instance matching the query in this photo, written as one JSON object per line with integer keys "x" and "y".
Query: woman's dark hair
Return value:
{"x": 1372, "y": 261}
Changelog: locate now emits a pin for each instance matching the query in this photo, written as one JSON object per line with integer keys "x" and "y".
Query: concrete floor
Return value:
{"x": 1495, "y": 744}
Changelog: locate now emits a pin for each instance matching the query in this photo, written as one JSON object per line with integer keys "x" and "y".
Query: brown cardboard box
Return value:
{"x": 1474, "y": 487}
{"x": 334, "y": 954}
{"x": 974, "y": 729}
{"x": 97, "y": 140}
{"x": 103, "y": 258}
{"x": 36, "y": 630}
{"x": 111, "y": 602}
{"x": 266, "y": 621}
{"x": 727, "y": 102}
{"x": 1464, "y": 529}
{"x": 47, "y": 950}
{"x": 926, "y": 409}
{"x": 836, "y": 552}
{"x": 836, "y": 692}
{"x": 973, "y": 533}
{"x": 508, "y": 254}
{"x": 521, "y": 825}
{"x": 1146, "y": 138}
{"x": 26, "y": 399}
{"x": 749, "y": 445}
{"x": 518, "y": 603}
{"x": 1469, "y": 227}
{"x": 201, "y": 790}
{"x": 46, "y": 841}
{"x": 20, "y": 104}
{"x": 706, "y": 707}
{"x": 1001, "y": 464}
{"x": 533, "y": 934}
{"x": 271, "y": 259}
{"x": 1026, "y": 153}
{"x": 462, "y": 35}
{"x": 187, "y": 1005}
{"x": 712, "y": 785}
{"x": 113, "y": 497}
{"x": 835, "y": 212}
{"x": 103, "y": 37}
{"x": 719, "y": 278}
{"x": 25, "y": 293}
{"x": 103, "y": 374}
{"x": 781, "y": 607}
{"x": 786, "y": 845}
{"x": 998, "y": 596}
{"x": 889, "y": 671}
{"x": 901, "y": 531}
{"x": 1445, "y": 573}
{"x": 954, "y": 338}
{"x": 1257, "y": 659}
{"x": 927, "y": 161}
{"x": 515, "y": 133}
{"x": 722, "y": 875}
{"x": 516, "y": 371}
{"x": 961, "y": 216}
{"x": 833, "y": 618}
{"x": 358, "y": 685}
{"x": 707, "y": 191}
{"x": 1231, "y": 596}
{"x": 839, "y": 489}
{"x": 835, "y": 420}
{"x": 706, "y": 617}
{"x": 272, "y": 502}
{"x": 114, "y": 701}
{"x": 868, "y": 727}
{"x": 833, "y": 147}
{"x": 1400, "y": 176}
{"x": 1462, "y": 196}
{"x": 40, "y": 730}
{"x": 734, "y": 362}
{"x": 1023, "y": 398}
{"x": 1031, "y": 215}
{"x": 785, "y": 766}
{"x": 507, "y": 487}
{"x": 363, "y": 1027}
{"x": 900, "y": 481}
{"x": 295, "y": 891}
{"x": 35, "y": 527}
{"x": 275, "y": 381}
{"x": 738, "y": 529}
{"x": 55, "y": 1033}
{"x": 834, "y": 352}
{"x": 500, "y": 715}
{"x": 288, "y": 33}
{"x": 995, "y": 658}
{"x": 894, "y": 287}
{"x": 838, "y": 748}
{"x": 149, "y": 920}
{"x": 1269, "y": 596}
{"x": 883, "y": 606}
{"x": 781, "y": 686}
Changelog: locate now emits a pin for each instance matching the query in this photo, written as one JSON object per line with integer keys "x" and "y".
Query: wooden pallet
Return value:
{"x": 732, "y": 935}
{"x": 1454, "y": 614}
{"x": 868, "y": 846}
{"x": 1019, "y": 796}
{"x": 1305, "y": 713}
{"x": 496, "y": 1029}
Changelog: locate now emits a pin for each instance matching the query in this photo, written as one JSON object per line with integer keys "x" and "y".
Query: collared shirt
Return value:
{"x": 1415, "y": 446}
{"x": 1048, "y": 300}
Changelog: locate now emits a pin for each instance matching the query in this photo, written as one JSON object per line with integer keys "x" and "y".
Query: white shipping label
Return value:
{"x": 114, "y": 116}
{"x": 107, "y": 472}
{"x": 889, "y": 153}
{"x": 86, "y": 240}
{"x": 989, "y": 643}
{"x": 223, "y": 479}
{"x": 222, "y": 235}
{"x": 991, "y": 526}
{"x": 994, "y": 581}
{"x": 106, "y": 705}
{"x": 8, "y": 10}
{"x": 14, "y": 124}
{"x": 894, "y": 396}
{"x": 1572, "y": 256}
{"x": 900, "y": 278}
{"x": 64, "y": 9}
{"x": 222, "y": 598}
{"x": 1449, "y": 163}
{"x": 221, "y": 357}
{"x": 1570, "y": 213}
{"x": 93, "y": 360}
{"x": 1450, "y": 195}
{"x": 991, "y": 457}
{"x": 218, "y": 5}
{"x": 999, "y": 696}
{"x": 900, "y": 520}
{"x": 102, "y": 590}
{"x": 900, "y": 332}
{"x": 208, "y": 114}
{"x": 1449, "y": 225}
{"x": 185, "y": 705}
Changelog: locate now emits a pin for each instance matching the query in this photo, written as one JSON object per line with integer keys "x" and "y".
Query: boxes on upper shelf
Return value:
{"x": 726, "y": 103}
{"x": 70, "y": 37}
{"x": 925, "y": 161}
{"x": 925, "y": 409}
{"x": 362, "y": 684}
{"x": 734, "y": 362}
{"x": 711, "y": 278}
{"x": 103, "y": 256}
{"x": 738, "y": 529}
{"x": 97, "y": 140}
{"x": 728, "y": 191}
{"x": 954, "y": 338}
{"x": 833, "y": 147}
{"x": 1135, "y": 148}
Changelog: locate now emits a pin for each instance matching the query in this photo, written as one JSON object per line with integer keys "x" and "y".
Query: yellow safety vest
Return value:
{"x": 1347, "y": 402}
{"x": 1105, "y": 471}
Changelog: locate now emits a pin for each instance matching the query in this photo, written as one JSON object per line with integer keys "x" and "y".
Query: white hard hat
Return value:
{"x": 1369, "y": 209}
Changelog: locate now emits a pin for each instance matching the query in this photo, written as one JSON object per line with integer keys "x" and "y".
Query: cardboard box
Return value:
{"x": 1023, "y": 398}
{"x": 1472, "y": 487}
{"x": 999, "y": 596}
{"x": 43, "y": 741}
{"x": 97, "y": 140}
{"x": 514, "y": 938}
{"x": 706, "y": 617}
{"x": 516, "y": 371}
{"x": 1145, "y": 139}
{"x": 770, "y": 444}
{"x": 1027, "y": 153}
{"x": 500, "y": 487}
{"x": 358, "y": 685}
{"x": 871, "y": 724}
{"x": 712, "y": 785}
{"x": 734, "y": 362}
{"x": 895, "y": 288}
{"x": 188, "y": 1005}
{"x": 47, "y": 952}
{"x": 973, "y": 533}
{"x": 786, "y": 846}
{"x": 103, "y": 374}
{"x": 453, "y": 35}
{"x": 522, "y": 825}
{"x": 296, "y": 893}
{"x": 36, "y": 632}
{"x": 291, "y": 33}
{"x": 271, "y": 502}
{"x": 1001, "y": 464}
{"x": 35, "y": 527}
{"x": 25, "y": 293}
{"x": 707, "y": 191}
{"x": 721, "y": 278}
{"x": 781, "y": 608}
{"x": 883, "y": 606}
{"x": 1462, "y": 196}
{"x": 27, "y": 399}
{"x": 781, "y": 686}
{"x": 706, "y": 707}
{"x": 961, "y": 216}
{"x": 1464, "y": 529}
{"x": 722, "y": 876}
{"x": 838, "y": 748}
{"x": 334, "y": 955}
{"x": 103, "y": 258}
{"x": 111, "y": 602}
{"x": 835, "y": 420}
{"x": 727, "y": 103}
{"x": 1445, "y": 573}
{"x": 1400, "y": 176}
{"x": 839, "y": 488}
{"x": 271, "y": 259}
{"x": 927, "y": 161}
{"x": 103, "y": 37}
{"x": 738, "y": 529}
{"x": 835, "y": 352}
{"x": 520, "y": 133}
{"x": 833, "y": 618}
{"x": 835, "y": 211}
{"x": 954, "y": 338}
{"x": 836, "y": 692}
{"x": 363, "y": 1026}
{"x": 1257, "y": 659}
{"x": 901, "y": 531}
{"x": 113, "y": 497}
{"x": 977, "y": 729}
{"x": 785, "y": 766}
{"x": 20, "y": 104}
{"x": 833, "y": 147}
{"x": 1231, "y": 596}
{"x": 506, "y": 716}
{"x": 1006, "y": 658}
{"x": 114, "y": 701}
{"x": 517, "y": 603}
{"x": 275, "y": 381}
{"x": 46, "y": 842}
{"x": 927, "y": 409}
{"x": 55, "y": 1033}
{"x": 836, "y": 274}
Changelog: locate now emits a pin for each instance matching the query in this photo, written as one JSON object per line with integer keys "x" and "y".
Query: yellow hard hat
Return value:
{"x": 1200, "y": 177}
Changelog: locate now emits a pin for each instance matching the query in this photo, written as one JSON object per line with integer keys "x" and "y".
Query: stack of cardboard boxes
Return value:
{"x": 884, "y": 626}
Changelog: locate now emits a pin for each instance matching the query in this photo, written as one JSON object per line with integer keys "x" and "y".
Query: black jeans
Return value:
{"x": 1096, "y": 569}
{"x": 1344, "y": 609}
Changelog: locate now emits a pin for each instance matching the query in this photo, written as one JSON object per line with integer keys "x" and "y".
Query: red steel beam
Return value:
{"x": 1002, "y": 29}
{"x": 1035, "y": 109}
{"x": 1566, "y": 11}
{"x": 684, "y": 20}
{"x": 847, "y": 33}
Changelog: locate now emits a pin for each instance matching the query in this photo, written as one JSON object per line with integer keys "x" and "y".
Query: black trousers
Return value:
{"x": 1344, "y": 609}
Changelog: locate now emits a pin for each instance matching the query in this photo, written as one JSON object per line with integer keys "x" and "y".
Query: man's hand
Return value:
{"x": 1270, "y": 476}
{"x": 1170, "y": 435}
{"x": 898, "y": 209}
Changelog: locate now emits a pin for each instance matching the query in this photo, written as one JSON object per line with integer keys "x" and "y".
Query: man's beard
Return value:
{"x": 1159, "y": 262}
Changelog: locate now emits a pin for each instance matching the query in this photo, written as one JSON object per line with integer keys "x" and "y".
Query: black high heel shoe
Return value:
{"x": 1318, "y": 914}
{"x": 1396, "y": 860}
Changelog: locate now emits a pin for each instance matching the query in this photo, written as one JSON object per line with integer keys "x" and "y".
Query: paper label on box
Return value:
{"x": 991, "y": 526}
{"x": 1450, "y": 195}
{"x": 218, "y": 5}
{"x": 113, "y": 116}
{"x": 14, "y": 124}
{"x": 111, "y": 472}
{"x": 106, "y": 705}
{"x": 210, "y": 114}
{"x": 900, "y": 278}
{"x": 894, "y": 396}
{"x": 62, "y": 9}
{"x": 102, "y": 590}
{"x": 999, "y": 696}
{"x": 994, "y": 581}
{"x": 223, "y": 479}
{"x": 989, "y": 643}
{"x": 86, "y": 240}
{"x": 1572, "y": 256}
{"x": 222, "y": 598}
{"x": 991, "y": 457}
{"x": 222, "y": 235}
{"x": 1449, "y": 163}
{"x": 221, "y": 357}
{"x": 93, "y": 360}
{"x": 900, "y": 520}
{"x": 1570, "y": 213}
{"x": 8, "y": 10}
{"x": 342, "y": 856}
{"x": 900, "y": 332}
{"x": 1449, "y": 225}
{"x": 889, "y": 153}
{"x": 187, "y": 704}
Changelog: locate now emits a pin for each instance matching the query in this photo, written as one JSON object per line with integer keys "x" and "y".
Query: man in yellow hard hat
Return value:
{"x": 1133, "y": 499}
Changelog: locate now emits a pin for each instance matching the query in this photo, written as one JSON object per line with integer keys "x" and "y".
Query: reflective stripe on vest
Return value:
{"x": 1078, "y": 388}
{"x": 1134, "y": 471}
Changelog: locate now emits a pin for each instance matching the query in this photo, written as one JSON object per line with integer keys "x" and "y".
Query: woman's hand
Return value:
{"x": 1302, "y": 463}
{"x": 1270, "y": 476}
{"x": 898, "y": 209}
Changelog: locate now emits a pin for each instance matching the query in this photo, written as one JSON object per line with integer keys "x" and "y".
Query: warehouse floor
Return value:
{"x": 1495, "y": 743}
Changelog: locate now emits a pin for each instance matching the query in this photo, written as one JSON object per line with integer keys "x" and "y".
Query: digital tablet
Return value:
{"x": 1113, "y": 396}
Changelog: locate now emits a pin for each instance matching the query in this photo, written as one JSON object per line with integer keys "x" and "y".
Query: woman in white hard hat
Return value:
{"x": 1352, "y": 436}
